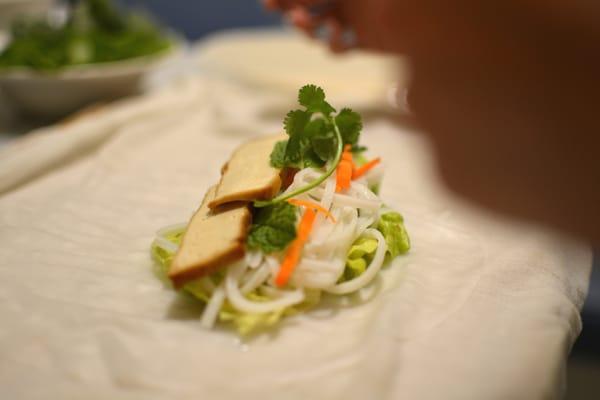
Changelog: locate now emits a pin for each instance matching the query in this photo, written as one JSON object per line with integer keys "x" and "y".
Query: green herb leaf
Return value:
{"x": 324, "y": 145}
{"x": 96, "y": 32}
{"x": 313, "y": 98}
{"x": 278, "y": 154}
{"x": 350, "y": 125}
{"x": 274, "y": 227}
{"x": 391, "y": 225}
{"x": 298, "y": 153}
{"x": 357, "y": 149}
{"x": 295, "y": 121}
{"x": 315, "y": 138}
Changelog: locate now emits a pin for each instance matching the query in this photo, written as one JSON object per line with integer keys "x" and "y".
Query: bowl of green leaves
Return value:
{"x": 99, "y": 53}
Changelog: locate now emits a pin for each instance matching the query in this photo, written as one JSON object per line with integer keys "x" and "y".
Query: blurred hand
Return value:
{"x": 508, "y": 91}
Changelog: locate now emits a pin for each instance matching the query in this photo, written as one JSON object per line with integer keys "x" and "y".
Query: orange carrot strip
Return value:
{"x": 289, "y": 263}
{"x": 306, "y": 224}
{"x": 313, "y": 205}
{"x": 360, "y": 171}
{"x": 292, "y": 256}
{"x": 347, "y": 156}
{"x": 344, "y": 175}
{"x": 344, "y": 170}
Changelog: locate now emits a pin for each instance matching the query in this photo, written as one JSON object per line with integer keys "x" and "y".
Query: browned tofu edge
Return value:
{"x": 265, "y": 193}
{"x": 222, "y": 259}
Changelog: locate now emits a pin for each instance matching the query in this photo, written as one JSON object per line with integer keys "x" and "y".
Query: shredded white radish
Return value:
{"x": 240, "y": 302}
{"x": 171, "y": 229}
{"x": 343, "y": 200}
{"x": 211, "y": 311}
{"x": 326, "y": 200}
{"x": 372, "y": 269}
{"x": 273, "y": 264}
{"x": 271, "y": 291}
{"x": 253, "y": 258}
{"x": 165, "y": 244}
{"x": 317, "y": 274}
{"x": 257, "y": 277}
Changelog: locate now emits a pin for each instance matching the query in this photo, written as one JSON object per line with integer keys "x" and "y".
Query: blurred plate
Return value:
{"x": 56, "y": 94}
{"x": 284, "y": 61}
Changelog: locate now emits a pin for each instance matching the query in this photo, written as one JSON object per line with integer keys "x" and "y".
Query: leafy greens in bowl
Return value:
{"x": 95, "y": 32}
{"x": 97, "y": 55}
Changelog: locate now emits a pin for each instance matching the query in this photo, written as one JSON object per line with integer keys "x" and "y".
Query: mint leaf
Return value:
{"x": 274, "y": 227}
{"x": 278, "y": 154}
{"x": 349, "y": 124}
{"x": 313, "y": 98}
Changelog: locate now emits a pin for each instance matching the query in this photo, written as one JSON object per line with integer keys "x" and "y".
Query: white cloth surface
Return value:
{"x": 479, "y": 309}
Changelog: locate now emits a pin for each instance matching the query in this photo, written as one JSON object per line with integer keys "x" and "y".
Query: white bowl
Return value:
{"x": 53, "y": 95}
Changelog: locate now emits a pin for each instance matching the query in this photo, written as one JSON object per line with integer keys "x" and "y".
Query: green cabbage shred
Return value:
{"x": 391, "y": 226}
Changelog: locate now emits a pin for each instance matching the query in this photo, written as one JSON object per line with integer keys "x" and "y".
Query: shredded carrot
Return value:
{"x": 306, "y": 224}
{"x": 292, "y": 256}
{"x": 344, "y": 170}
{"x": 314, "y": 206}
{"x": 289, "y": 263}
{"x": 360, "y": 171}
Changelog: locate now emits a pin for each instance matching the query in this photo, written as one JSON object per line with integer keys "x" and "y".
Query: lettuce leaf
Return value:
{"x": 245, "y": 323}
{"x": 360, "y": 255}
{"x": 391, "y": 226}
{"x": 249, "y": 323}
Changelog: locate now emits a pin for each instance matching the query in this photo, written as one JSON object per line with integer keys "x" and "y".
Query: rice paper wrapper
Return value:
{"x": 479, "y": 308}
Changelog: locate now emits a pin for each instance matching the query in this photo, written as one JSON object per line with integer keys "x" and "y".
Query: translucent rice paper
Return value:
{"x": 479, "y": 309}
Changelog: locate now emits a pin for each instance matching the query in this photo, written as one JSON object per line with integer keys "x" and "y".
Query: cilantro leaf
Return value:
{"x": 316, "y": 139}
{"x": 313, "y": 98}
{"x": 350, "y": 125}
{"x": 295, "y": 121}
{"x": 357, "y": 149}
{"x": 324, "y": 145}
{"x": 312, "y": 159}
{"x": 299, "y": 153}
{"x": 274, "y": 227}
{"x": 278, "y": 154}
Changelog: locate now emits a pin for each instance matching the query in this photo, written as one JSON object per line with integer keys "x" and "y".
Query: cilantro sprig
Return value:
{"x": 316, "y": 138}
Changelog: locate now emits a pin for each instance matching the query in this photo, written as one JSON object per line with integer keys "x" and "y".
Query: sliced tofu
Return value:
{"x": 248, "y": 175}
{"x": 213, "y": 239}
